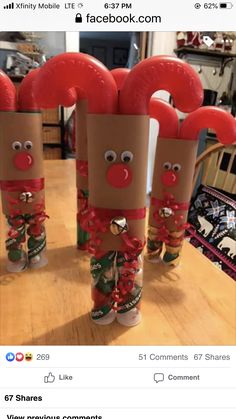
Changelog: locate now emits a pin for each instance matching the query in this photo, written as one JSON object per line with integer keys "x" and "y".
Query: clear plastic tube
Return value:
{"x": 25, "y": 243}
{"x": 116, "y": 288}
{"x": 15, "y": 244}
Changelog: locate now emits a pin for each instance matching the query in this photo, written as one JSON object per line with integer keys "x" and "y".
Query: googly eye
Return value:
{"x": 127, "y": 156}
{"x": 167, "y": 165}
{"x": 16, "y": 145}
{"x": 28, "y": 145}
{"x": 176, "y": 167}
{"x": 110, "y": 156}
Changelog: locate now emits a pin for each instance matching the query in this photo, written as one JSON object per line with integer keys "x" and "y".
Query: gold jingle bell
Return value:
{"x": 165, "y": 212}
{"x": 118, "y": 226}
{"x": 26, "y": 197}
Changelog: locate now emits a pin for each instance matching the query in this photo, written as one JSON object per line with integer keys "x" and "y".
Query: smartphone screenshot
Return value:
{"x": 117, "y": 209}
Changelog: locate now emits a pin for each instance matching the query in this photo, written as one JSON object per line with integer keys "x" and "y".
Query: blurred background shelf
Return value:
{"x": 205, "y": 57}
{"x": 53, "y": 133}
{"x": 52, "y": 152}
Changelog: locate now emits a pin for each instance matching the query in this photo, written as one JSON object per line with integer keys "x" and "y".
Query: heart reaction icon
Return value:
{"x": 19, "y": 356}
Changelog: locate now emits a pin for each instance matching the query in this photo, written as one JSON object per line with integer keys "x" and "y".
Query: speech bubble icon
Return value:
{"x": 158, "y": 377}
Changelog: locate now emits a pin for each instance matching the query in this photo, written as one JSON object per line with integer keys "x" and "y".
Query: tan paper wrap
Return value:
{"x": 118, "y": 133}
{"x": 81, "y": 141}
{"x": 174, "y": 151}
{"x": 20, "y": 126}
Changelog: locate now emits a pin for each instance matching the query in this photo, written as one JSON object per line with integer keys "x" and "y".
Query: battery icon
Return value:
{"x": 226, "y": 5}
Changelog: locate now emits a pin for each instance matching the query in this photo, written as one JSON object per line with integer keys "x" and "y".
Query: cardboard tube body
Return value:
{"x": 81, "y": 141}
{"x": 21, "y": 127}
{"x": 118, "y": 133}
{"x": 174, "y": 151}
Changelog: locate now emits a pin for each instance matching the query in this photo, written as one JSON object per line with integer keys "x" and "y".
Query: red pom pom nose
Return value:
{"x": 119, "y": 175}
{"x": 169, "y": 178}
{"x": 23, "y": 161}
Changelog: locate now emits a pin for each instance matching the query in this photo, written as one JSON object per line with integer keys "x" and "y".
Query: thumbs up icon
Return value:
{"x": 50, "y": 378}
{"x": 10, "y": 356}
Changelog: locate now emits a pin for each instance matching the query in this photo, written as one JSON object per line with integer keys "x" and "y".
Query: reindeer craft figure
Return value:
{"x": 21, "y": 174}
{"x": 173, "y": 176}
{"x": 117, "y": 135}
{"x": 119, "y": 75}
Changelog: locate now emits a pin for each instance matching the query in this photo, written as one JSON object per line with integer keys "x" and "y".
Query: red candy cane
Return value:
{"x": 166, "y": 116}
{"x": 70, "y": 77}
{"x": 26, "y": 98}
{"x": 8, "y": 93}
{"x": 217, "y": 119}
{"x": 120, "y": 75}
{"x": 160, "y": 73}
{"x": 160, "y": 110}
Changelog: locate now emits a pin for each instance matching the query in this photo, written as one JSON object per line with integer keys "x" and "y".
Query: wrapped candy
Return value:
{"x": 117, "y": 156}
{"x": 21, "y": 174}
{"x": 173, "y": 176}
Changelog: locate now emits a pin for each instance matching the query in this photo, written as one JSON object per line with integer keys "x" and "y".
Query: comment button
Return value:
{"x": 158, "y": 377}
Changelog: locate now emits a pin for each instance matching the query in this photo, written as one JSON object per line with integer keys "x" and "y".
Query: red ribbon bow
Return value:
{"x": 83, "y": 205}
{"x": 82, "y": 167}
{"x": 169, "y": 202}
{"x": 36, "y": 223}
{"x": 91, "y": 223}
{"x": 133, "y": 246}
{"x": 97, "y": 220}
{"x": 26, "y": 185}
{"x": 163, "y": 235}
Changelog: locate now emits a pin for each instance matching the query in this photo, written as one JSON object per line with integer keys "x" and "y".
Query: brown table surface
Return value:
{"x": 194, "y": 304}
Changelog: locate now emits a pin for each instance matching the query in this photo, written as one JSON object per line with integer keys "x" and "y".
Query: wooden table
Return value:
{"x": 194, "y": 304}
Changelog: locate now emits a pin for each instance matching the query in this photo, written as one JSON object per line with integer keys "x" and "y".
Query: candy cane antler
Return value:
{"x": 8, "y": 93}
{"x": 217, "y": 119}
{"x": 160, "y": 110}
{"x": 26, "y": 98}
{"x": 166, "y": 116}
{"x": 161, "y": 73}
{"x": 120, "y": 75}
{"x": 69, "y": 77}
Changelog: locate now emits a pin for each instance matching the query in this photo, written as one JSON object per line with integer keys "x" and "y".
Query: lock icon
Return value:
{"x": 78, "y": 18}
